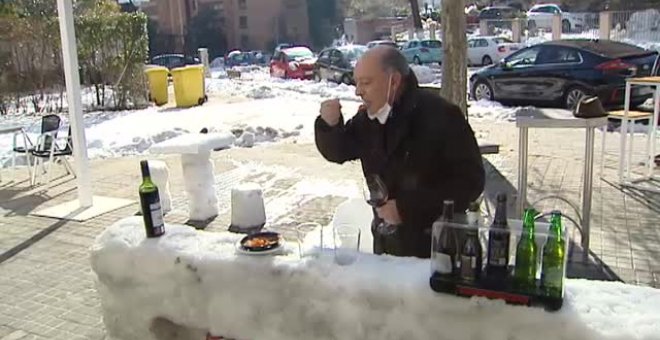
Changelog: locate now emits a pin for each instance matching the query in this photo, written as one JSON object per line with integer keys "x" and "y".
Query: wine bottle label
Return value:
{"x": 498, "y": 253}
{"x": 157, "y": 217}
{"x": 442, "y": 263}
{"x": 468, "y": 266}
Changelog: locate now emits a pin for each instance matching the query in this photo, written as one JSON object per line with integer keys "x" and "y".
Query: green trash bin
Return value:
{"x": 189, "y": 85}
{"x": 157, "y": 76}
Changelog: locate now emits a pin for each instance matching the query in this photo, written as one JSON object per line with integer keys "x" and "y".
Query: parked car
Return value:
{"x": 499, "y": 13}
{"x": 237, "y": 58}
{"x": 423, "y": 51}
{"x": 561, "y": 72}
{"x": 293, "y": 63}
{"x": 375, "y": 43}
{"x": 337, "y": 63}
{"x": 540, "y": 16}
{"x": 488, "y": 50}
{"x": 174, "y": 60}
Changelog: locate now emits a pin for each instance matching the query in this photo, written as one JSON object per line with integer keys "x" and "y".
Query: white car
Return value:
{"x": 540, "y": 16}
{"x": 488, "y": 50}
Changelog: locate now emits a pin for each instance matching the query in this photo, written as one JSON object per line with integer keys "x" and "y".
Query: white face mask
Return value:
{"x": 383, "y": 113}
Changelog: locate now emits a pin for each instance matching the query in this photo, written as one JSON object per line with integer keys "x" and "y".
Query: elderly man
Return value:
{"x": 419, "y": 144}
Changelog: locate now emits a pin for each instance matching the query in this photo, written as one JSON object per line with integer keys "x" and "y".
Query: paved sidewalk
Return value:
{"x": 47, "y": 286}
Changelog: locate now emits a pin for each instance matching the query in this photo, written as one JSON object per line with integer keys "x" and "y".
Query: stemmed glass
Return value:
{"x": 376, "y": 194}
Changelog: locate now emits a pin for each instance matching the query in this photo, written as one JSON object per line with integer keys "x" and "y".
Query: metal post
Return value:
{"x": 623, "y": 133}
{"x": 70, "y": 56}
{"x": 204, "y": 58}
{"x": 653, "y": 126}
{"x": 587, "y": 189}
{"x": 522, "y": 169}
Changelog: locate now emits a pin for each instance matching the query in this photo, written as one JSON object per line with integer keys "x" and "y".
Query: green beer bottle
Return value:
{"x": 524, "y": 277}
{"x": 552, "y": 274}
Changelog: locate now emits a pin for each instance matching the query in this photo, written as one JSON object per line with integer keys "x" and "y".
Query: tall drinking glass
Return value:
{"x": 376, "y": 194}
{"x": 347, "y": 243}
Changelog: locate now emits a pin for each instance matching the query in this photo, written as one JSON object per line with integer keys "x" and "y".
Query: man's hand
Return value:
{"x": 389, "y": 213}
{"x": 331, "y": 111}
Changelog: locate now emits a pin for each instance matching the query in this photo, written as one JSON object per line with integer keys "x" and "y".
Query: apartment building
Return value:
{"x": 247, "y": 24}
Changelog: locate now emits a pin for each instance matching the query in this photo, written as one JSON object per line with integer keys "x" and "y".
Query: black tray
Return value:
{"x": 452, "y": 284}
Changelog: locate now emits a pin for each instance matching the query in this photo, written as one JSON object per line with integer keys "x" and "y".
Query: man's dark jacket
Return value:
{"x": 425, "y": 153}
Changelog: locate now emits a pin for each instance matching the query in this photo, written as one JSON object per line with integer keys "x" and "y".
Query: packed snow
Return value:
{"x": 196, "y": 280}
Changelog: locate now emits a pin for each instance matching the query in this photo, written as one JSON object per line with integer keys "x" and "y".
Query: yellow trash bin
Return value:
{"x": 157, "y": 76}
{"x": 189, "y": 85}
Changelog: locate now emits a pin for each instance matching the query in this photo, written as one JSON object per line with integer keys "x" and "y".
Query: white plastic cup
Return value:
{"x": 347, "y": 244}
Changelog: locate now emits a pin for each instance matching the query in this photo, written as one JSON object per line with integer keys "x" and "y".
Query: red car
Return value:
{"x": 293, "y": 63}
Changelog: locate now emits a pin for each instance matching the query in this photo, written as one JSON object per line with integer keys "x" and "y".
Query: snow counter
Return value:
{"x": 188, "y": 283}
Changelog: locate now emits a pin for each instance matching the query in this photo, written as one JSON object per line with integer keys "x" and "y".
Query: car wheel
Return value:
{"x": 317, "y": 77}
{"x": 482, "y": 91}
{"x": 417, "y": 61}
{"x": 565, "y": 26}
{"x": 486, "y": 60}
{"x": 346, "y": 79}
{"x": 573, "y": 96}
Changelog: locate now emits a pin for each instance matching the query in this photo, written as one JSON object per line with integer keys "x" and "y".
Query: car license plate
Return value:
{"x": 309, "y": 73}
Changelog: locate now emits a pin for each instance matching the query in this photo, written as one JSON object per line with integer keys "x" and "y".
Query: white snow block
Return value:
{"x": 247, "y": 208}
{"x": 160, "y": 174}
{"x": 194, "y": 143}
{"x": 198, "y": 282}
{"x": 199, "y": 184}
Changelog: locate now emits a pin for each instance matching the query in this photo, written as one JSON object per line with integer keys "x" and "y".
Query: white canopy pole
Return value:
{"x": 70, "y": 61}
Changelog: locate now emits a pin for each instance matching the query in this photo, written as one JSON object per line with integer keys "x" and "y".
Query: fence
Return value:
{"x": 641, "y": 28}
{"x": 636, "y": 27}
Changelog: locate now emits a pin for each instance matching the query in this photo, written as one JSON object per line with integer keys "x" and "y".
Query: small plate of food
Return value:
{"x": 262, "y": 243}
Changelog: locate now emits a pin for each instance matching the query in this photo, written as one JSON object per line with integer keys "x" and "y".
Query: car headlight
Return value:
{"x": 293, "y": 66}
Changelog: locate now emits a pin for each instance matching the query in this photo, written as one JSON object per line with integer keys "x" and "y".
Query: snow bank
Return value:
{"x": 196, "y": 280}
{"x": 488, "y": 110}
{"x": 424, "y": 74}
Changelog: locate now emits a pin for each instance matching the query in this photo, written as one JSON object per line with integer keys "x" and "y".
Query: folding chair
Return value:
{"x": 52, "y": 151}
{"x": 50, "y": 124}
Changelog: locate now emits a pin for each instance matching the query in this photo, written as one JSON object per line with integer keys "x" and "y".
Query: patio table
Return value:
{"x": 13, "y": 129}
{"x": 535, "y": 118}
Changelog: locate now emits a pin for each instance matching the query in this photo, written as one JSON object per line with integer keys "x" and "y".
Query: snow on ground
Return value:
{"x": 272, "y": 109}
{"x": 487, "y": 110}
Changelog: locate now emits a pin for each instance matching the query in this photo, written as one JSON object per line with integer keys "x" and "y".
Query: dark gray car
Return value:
{"x": 336, "y": 63}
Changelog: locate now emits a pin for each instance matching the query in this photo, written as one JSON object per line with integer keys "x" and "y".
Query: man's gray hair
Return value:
{"x": 394, "y": 60}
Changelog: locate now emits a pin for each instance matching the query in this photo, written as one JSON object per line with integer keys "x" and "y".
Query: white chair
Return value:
{"x": 50, "y": 124}
{"x": 633, "y": 117}
{"x": 50, "y": 147}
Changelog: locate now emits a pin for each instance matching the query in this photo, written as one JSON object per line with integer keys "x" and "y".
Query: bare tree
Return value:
{"x": 454, "y": 45}
{"x": 417, "y": 19}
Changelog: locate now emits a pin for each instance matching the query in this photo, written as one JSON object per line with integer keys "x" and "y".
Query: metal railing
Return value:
{"x": 640, "y": 28}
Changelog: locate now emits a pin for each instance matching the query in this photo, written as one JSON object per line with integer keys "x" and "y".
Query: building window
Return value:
{"x": 242, "y": 22}
{"x": 242, "y": 4}
{"x": 245, "y": 40}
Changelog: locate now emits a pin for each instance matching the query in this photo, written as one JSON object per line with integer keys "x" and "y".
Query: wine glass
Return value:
{"x": 376, "y": 194}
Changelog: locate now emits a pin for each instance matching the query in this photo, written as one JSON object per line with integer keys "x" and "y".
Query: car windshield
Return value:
{"x": 502, "y": 41}
{"x": 353, "y": 53}
{"x": 299, "y": 52}
{"x": 431, "y": 44}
